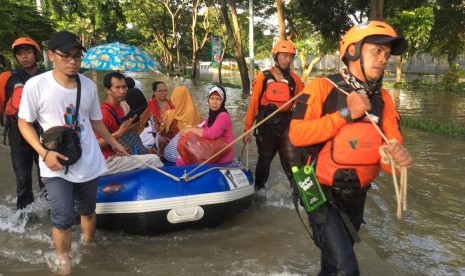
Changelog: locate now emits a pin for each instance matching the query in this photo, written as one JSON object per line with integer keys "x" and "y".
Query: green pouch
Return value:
{"x": 310, "y": 190}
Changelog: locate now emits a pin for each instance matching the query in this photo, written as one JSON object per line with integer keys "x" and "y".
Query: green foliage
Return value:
{"x": 18, "y": 19}
{"x": 453, "y": 75}
{"x": 448, "y": 34}
{"x": 433, "y": 126}
{"x": 332, "y": 18}
{"x": 451, "y": 79}
{"x": 415, "y": 25}
{"x": 96, "y": 21}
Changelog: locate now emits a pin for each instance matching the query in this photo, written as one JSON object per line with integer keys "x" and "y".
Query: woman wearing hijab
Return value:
{"x": 218, "y": 123}
{"x": 138, "y": 106}
{"x": 185, "y": 114}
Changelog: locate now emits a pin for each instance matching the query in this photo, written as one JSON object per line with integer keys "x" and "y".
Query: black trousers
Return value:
{"x": 23, "y": 156}
{"x": 330, "y": 234}
{"x": 268, "y": 146}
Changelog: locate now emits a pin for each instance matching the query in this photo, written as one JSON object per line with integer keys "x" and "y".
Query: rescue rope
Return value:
{"x": 190, "y": 178}
{"x": 400, "y": 189}
{"x": 186, "y": 175}
{"x": 175, "y": 178}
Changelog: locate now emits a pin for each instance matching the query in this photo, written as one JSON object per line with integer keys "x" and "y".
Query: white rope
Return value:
{"x": 175, "y": 178}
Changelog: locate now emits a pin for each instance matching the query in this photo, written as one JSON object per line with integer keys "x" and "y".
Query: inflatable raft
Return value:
{"x": 150, "y": 202}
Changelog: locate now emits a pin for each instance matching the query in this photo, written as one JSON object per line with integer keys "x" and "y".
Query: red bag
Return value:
{"x": 195, "y": 149}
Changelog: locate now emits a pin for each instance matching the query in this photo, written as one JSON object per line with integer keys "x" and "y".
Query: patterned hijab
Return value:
{"x": 220, "y": 91}
{"x": 185, "y": 111}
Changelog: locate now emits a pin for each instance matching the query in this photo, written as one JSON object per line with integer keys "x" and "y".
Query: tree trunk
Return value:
{"x": 450, "y": 61}
{"x": 235, "y": 41}
{"x": 220, "y": 77}
{"x": 399, "y": 69}
{"x": 376, "y": 10}
{"x": 309, "y": 70}
{"x": 195, "y": 44}
{"x": 303, "y": 60}
{"x": 281, "y": 19}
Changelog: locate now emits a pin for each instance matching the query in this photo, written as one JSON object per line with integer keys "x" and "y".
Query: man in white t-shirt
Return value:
{"x": 50, "y": 98}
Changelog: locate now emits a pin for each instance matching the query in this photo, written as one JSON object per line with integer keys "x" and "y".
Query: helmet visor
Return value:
{"x": 398, "y": 44}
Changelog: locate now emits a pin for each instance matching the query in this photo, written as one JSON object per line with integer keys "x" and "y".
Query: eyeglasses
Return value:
{"x": 68, "y": 58}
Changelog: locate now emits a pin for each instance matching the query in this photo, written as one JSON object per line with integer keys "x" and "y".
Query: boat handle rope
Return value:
{"x": 175, "y": 178}
{"x": 186, "y": 175}
{"x": 400, "y": 189}
{"x": 190, "y": 178}
{"x": 240, "y": 158}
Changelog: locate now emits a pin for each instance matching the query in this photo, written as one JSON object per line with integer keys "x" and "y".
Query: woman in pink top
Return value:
{"x": 218, "y": 123}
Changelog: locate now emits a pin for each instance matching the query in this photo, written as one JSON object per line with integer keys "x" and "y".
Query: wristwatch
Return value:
{"x": 345, "y": 113}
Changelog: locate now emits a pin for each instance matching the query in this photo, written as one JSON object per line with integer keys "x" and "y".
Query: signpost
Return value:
{"x": 216, "y": 50}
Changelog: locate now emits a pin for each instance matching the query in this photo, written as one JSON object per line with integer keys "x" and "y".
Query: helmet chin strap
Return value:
{"x": 371, "y": 87}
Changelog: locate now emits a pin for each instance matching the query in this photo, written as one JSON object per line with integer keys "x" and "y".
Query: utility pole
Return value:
{"x": 251, "y": 46}
{"x": 44, "y": 52}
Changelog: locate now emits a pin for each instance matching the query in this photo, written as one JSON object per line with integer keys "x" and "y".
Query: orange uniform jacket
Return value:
{"x": 3, "y": 80}
{"x": 314, "y": 128}
{"x": 254, "y": 103}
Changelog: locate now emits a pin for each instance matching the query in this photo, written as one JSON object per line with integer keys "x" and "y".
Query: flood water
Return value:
{"x": 268, "y": 238}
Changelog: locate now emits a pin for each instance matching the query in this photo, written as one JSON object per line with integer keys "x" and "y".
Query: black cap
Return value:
{"x": 398, "y": 44}
{"x": 64, "y": 41}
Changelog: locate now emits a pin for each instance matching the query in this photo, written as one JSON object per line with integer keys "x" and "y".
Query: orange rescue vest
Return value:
{"x": 275, "y": 92}
{"x": 351, "y": 158}
{"x": 356, "y": 148}
{"x": 13, "y": 91}
{"x": 12, "y": 106}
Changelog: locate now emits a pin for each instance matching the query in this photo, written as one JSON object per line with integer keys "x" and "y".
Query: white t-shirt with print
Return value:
{"x": 51, "y": 104}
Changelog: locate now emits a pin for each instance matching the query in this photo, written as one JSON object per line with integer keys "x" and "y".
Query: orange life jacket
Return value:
{"x": 351, "y": 158}
{"x": 356, "y": 149}
{"x": 13, "y": 92}
{"x": 12, "y": 106}
{"x": 273, "y": 96}
{"x": 276, "y": 92}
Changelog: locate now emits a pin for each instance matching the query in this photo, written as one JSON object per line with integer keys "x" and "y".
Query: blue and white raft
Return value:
{"x": 151, "y": 202}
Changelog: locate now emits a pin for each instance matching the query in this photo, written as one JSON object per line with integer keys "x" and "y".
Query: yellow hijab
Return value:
{"x": 185, "y": 111}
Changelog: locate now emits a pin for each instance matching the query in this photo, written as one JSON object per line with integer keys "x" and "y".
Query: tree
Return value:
{"x": 196, "y": 47}
{"x": 94, "y": 21}
{"x": 281, "y": 19}
{"x": 448, "y": 34}
{"x": 235, "y": 39}
{"x": 21, "y": 20}
{"x": 165, "y": 23}
{"x": 376, "y": 10}
{"x": 329, "y": 20}
{"x": 415, "y": 26}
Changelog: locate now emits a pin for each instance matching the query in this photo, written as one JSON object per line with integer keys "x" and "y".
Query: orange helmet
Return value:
{"x": 380, "y": 33}
{"x": 284, "y": 46}
{"x": 27, "y": 41}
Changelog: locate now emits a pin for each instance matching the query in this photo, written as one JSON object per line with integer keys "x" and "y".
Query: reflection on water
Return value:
{"x": 268, "y": 238}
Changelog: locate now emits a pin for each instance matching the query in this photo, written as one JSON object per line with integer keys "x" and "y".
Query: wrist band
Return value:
{"x": 45, "y": 156}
